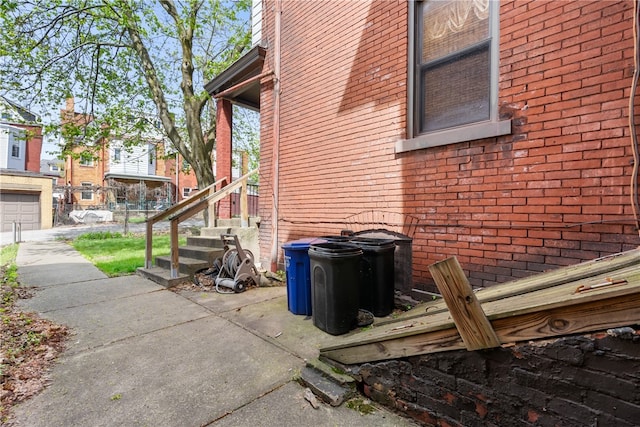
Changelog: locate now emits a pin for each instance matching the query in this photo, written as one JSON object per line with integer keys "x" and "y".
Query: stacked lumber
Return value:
{"x": 588, "y": 297}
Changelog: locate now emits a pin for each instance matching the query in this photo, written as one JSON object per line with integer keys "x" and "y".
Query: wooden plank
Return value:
{"x": 474, "y": 327}
{"x": 563, "y": 295}
{"x": 175, "y": 256}
{"x": 584, "y": 271}
{"x": 590, "y": 316}
{"x": 537, "y": 305}
{"x": 148, "y": 248}
{"x": 244, "y": 204}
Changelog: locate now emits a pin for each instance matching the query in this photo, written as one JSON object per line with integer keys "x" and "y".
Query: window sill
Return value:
{"x": 451, "y": 136}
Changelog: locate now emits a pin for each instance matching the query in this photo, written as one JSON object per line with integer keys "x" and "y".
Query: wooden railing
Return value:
{"x": 187, "y": 208}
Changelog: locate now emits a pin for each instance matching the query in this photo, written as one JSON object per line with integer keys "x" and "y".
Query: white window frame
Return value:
{"x": 86, "y": 161}
{"x": 16, "y": 147}
{"x": 186, "y": 192}
{"x": 479, "y": 130}
{"x": 84, "y": 193}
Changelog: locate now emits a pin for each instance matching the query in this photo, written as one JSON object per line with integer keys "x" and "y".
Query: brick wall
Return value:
{"x": 76, "y": 174}
{"x": 589, "y": 380}
{"x": 34, "y": 148}
{"x": 555, "y": 192}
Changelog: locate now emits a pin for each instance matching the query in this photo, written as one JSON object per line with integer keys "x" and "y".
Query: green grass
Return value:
{"x": 137, "y": 220}
{"x": 8, "y": 254}
{"x": 118, "y": 255}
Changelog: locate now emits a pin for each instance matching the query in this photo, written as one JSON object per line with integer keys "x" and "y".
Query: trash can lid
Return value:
{"x": 336, "y": 238}
{"x": 302, "y": 244}
{"x": 334, "y": 249}
{"x": 368, "y": 241}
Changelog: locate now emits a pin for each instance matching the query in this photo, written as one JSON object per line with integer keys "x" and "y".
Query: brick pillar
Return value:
{"x": 223, "y": 151}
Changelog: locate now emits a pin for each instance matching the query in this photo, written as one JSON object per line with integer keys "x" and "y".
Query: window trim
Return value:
{"x": 86, "y": 161}
{"x": 16, "y": 147}
{"x": 83, "y": 192}
{"x": 479, "y": 130}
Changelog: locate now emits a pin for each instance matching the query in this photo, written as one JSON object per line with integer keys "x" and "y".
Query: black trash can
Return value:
{"x": 335, "y": 281}
{"x": 336, "y": 239}
{"x": 377, "y": 282}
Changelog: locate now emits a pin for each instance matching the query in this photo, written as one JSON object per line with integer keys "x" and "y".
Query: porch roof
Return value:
{"x": 130, "y": 177}
{"x": 248, "y": 66}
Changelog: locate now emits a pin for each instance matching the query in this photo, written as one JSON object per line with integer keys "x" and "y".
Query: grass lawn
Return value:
{"x": 118, "y": 255}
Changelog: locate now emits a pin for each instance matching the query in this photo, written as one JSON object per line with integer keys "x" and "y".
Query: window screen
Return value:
{"x": 454, "y": 69}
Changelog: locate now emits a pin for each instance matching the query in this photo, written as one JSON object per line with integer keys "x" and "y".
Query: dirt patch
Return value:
{"x": 29, "y": 345}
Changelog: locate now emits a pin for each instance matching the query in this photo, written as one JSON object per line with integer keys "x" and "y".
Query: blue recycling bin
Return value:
{"x": 296, "y": 262}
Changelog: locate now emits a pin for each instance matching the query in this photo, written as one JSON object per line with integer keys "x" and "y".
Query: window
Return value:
{"x": 15, "y": 151}
{"x": 186, "y": 191}
{"x": 453, "y": 72}
{"x": 117, "y": 152}
{"x": 88, "y": 193}
{"x": 53, "y": 167}
{"x": 86, "y": 159}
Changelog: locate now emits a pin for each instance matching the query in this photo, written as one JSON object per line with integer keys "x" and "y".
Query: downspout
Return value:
{"x": 632, "y": 128}
{"x": 276, "y": 136}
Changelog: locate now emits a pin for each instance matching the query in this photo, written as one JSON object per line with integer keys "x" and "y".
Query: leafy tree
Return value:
{"x": 122, "y": 59}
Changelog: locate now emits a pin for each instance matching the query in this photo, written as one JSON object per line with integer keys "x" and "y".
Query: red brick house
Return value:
{"x": 496, "y": 132}
{"x": 499, "y": 132}
{"x": 98, "y": 178}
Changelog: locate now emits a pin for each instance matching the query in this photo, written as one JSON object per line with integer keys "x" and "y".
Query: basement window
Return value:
{"x": 453, "y": 72}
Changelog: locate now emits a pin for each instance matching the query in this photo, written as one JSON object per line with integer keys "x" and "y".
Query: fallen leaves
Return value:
{"x": 28, "y": 346}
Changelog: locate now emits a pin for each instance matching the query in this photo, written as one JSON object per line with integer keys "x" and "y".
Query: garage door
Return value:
{"x": 22, "y": 208}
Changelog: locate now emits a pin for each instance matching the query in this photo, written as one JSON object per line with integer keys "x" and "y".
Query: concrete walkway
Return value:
{"x": 141, "y": 355}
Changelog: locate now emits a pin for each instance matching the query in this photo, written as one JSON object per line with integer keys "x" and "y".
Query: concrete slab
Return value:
{"x": 286, "y": 406}
{"x": 52, "y": 263}
{"x": 52, "y": 298}
{"x": 142, "y": 355}
{"x": 187, "y": 375}
{"x": 273, "y": 320}
{"x": 219, "y": 303}
{"x": 106, "y": 322}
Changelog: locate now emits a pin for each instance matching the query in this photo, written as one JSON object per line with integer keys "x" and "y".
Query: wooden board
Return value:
{"x": 545, "y": 312}
{"x": 584, "y": 271}
{"x": 580, "y": 318}
{"x": 471, "y": 322}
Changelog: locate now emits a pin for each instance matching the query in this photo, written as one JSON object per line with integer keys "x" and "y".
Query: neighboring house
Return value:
{"x": 184, "y": 182}
{"x": 25, "y": 195}
{"x": 113, "y": 173}
{"x": 53, "y": 168}
{"x": 20, "y": 138}
{"x": 495, "y": 132}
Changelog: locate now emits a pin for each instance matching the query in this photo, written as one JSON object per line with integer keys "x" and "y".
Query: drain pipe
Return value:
{"x": 276, "y": 136}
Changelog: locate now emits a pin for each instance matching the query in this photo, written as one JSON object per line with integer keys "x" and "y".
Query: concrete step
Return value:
{"x": 205, "y": 241}
{"x": 186, "y": 265}
{"x": 162, "y": 276}
{"x": 200, "y": 252}
{"x": 328, "y": 384}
